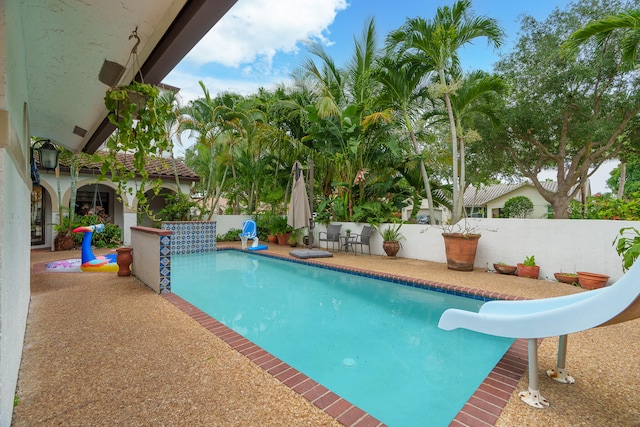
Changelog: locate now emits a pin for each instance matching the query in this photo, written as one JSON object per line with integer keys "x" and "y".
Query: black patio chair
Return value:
{"x": 331, "y": 235}
{"x": 362, "y": 239}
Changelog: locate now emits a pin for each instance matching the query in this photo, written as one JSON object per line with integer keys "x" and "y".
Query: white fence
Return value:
{"x": 558, "y": 245}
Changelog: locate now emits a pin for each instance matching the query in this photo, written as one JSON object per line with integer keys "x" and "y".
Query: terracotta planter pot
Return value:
{"x": 566, "y": 278}
{"x": 461, "y": 250}
{"x": 272, "y": 239}
{"x": 124, "y": 260}
{"x": 531, "y": 271}
{"x": 283, "y": 239}
{"x": 391, "y": 247}
{"x": 505, "y": 269}
{"x": 64, "y": 243}
{"x": 592, "y": 280}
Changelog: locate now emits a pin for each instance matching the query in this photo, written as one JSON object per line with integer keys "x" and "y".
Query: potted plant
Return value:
{"x": 293, "y": 239}
{"x": 503, "y": 268}
{"x": 460, "y": 248}
{"x": 265, "y": 222}
{"x": 391, "y": 237}
{"x": 281, "y": 229}
{"x": 529, "y": 268}
{"x": 592, "y": 280}
{"x": 64, "y": 235}
{"x": 571, "y": 278}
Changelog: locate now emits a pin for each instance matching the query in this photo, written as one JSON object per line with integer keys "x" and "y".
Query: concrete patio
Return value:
{"x": 106, "y": 350}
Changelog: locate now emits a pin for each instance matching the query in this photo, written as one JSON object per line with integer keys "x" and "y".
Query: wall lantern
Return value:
{"x": 48, "y": 154}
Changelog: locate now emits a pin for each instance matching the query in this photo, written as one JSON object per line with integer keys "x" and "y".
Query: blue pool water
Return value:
{"x": 373, "y": 342}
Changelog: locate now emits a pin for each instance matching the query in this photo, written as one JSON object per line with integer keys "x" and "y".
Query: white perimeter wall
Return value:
{"x": 558, "y": 245}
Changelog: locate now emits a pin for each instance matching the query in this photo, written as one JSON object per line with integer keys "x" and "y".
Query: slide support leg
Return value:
{"x": 560, "y": 372}
{"x": 532, "y": 396}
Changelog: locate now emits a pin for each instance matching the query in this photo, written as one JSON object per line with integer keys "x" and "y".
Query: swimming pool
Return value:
{"x": 373, "y": 342}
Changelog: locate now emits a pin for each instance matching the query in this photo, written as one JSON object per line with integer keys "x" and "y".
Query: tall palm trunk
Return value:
{"x": 457, "y": 208}
{"x": 423, "y": 172}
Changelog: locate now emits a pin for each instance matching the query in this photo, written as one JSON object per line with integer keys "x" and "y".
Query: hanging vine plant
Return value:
{"x": 139, "y": 116}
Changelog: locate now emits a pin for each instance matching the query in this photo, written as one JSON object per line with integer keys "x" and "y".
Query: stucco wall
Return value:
{"x": 146, "y": 255}
{"x": 122, "y": 215}
{"x": 558, "y": 245}
{"x": 15, "y": 199}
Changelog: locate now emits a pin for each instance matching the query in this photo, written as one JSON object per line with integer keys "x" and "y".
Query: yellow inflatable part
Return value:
{"x": 105, "y": 268}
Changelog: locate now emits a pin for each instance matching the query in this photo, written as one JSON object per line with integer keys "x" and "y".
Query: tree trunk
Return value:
{"x": 622, "y": 180}
{"x": 560, "y": 208}
{"x": 425, "y": 177}
{"x": 457, "y": 210}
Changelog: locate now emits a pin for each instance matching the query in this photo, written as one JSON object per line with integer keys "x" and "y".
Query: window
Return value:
{"x": 476, "y": 212}
{"x": 37, "y": 215}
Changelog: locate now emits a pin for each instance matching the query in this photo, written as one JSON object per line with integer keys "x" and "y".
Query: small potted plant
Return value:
{"x": 592, "y": 280}
{"x": 570, "y": 278}
{"x": 391, "y": 237}
{"x": 529, "y": 268}
{"x": 293, "y": 239}
{"x": 503, "y": 268}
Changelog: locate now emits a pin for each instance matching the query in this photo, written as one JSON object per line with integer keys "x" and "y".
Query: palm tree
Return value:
{"x": 405, "y": 93}
{"x": 436, "y": 43}
{"x": 472, "y": 98}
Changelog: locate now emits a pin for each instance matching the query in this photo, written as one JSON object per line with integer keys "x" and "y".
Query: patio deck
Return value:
{"x": 105, "y": 350}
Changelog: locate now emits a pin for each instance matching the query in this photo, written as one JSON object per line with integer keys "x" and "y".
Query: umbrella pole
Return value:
{"x": 311, "y": 222}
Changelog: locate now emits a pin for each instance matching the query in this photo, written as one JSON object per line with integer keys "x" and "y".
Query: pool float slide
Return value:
{"x": 533, "y": 319}
{"x": 90, "y": 262}
{"x": 250, "y": 231}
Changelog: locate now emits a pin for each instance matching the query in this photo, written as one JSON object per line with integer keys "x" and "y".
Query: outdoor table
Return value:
{"x": 347, "y": 242}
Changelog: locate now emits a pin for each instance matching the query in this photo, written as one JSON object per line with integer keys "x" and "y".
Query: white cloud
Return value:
{"x": 254, "y": 30}
{"x": 190, "y": 87}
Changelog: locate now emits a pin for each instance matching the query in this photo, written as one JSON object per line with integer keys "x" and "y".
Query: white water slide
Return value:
{"x": 533, "y": 319}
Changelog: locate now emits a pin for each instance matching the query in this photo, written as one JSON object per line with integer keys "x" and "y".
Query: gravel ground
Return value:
{"x": 105, "y": 350}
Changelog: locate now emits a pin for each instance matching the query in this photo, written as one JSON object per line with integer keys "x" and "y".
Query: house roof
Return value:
{"x": 474, "y": 196}
{"x": 157, "y": 168}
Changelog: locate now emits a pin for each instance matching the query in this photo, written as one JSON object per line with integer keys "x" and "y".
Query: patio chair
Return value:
{"x": 362, "y": 239}
{"x": 331, "y": 235}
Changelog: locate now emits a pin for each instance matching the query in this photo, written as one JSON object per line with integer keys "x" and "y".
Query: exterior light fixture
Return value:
{"x": 48, "y": 154}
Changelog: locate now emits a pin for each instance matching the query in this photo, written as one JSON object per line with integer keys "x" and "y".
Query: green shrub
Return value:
{"x": 177, "y": 208}
{"x": 518, "y": 207}
{"x": 606, "y": 206}
{"x": 230, "y": 236}
{"x": 110, "y": 237}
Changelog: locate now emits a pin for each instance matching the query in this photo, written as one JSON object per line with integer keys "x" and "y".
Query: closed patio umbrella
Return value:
{"x": 299, "y": 213}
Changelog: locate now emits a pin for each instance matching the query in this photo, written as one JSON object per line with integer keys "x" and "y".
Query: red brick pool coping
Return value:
{"x": 481, "y": 410}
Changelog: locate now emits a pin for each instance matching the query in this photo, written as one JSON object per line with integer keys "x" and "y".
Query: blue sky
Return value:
{"x": 258, "y": 43}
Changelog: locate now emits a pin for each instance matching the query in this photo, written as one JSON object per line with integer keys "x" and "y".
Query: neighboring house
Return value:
{"x": 488, "y": 202}
{"x": 101, "y": 196}
{"x": 57, "y": 59}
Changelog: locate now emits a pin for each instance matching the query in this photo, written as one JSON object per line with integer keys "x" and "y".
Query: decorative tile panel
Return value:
{"x": 188, "y": 237}
{"x": 192, "y": 236}
{"x": 165, "y": 264}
